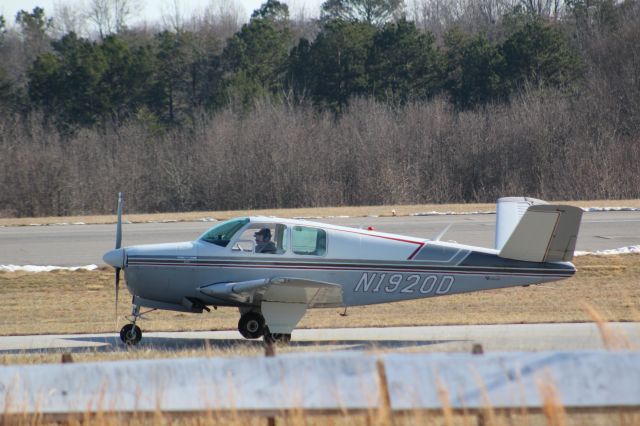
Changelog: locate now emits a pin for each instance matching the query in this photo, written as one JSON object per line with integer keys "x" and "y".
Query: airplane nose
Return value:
{"x": 114, "y": 258}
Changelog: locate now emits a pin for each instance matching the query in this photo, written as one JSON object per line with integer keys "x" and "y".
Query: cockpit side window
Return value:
{"x": 263, "y": 238}
{"x": 221, "y": 234}
{"x": 309, "y": 241}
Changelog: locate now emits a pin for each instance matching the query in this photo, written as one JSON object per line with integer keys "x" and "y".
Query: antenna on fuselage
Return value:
{"x": 441, "y": 234}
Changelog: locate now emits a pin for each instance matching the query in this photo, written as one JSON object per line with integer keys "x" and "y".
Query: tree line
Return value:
{"x": 175, "y": 74}
{"x": 361, "y": 106}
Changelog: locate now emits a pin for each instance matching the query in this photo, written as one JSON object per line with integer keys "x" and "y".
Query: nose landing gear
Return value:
{"x": 131, "y": 333}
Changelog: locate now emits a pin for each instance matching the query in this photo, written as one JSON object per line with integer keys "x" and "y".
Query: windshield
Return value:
{"x": 221, "y": 234}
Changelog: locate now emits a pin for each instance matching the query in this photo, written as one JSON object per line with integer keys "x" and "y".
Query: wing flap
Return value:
{"x": 299, "y": 290}
{"x": 282, "y": 289}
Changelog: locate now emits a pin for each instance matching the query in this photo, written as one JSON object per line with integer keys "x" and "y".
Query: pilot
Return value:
{"x": 263, "y": 241}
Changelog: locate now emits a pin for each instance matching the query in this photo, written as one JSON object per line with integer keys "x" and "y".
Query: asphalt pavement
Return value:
{"x": 76, "y": 245}
{"x": 455, "y": 338}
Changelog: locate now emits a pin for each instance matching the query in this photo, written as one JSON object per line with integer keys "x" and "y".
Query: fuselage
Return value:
{"x": 371, "y": 267}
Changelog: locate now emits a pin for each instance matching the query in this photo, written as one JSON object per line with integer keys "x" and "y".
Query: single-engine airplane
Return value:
{"x": 274, "y": 269}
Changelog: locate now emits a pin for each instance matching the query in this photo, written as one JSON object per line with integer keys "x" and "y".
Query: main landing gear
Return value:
{"x": 252, "y": 326}
{"x": 131, "y": 333}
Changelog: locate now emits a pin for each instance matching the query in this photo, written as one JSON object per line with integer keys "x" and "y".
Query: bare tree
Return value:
{"x": 435, "y": 16}
{"x": 173, "y": 15}
{"x": 220, "y": 18}
{"x": 69, "y": 17}
{"x": 375, "y": 12}
{"x": 110, "y": 16}
{"x": 542, "y": 8}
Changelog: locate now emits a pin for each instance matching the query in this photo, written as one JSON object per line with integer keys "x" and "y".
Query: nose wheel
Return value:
{"x": 131, "y": 334}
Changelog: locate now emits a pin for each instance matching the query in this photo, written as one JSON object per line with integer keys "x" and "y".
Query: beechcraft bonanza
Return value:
{"x": 274, "y": 269}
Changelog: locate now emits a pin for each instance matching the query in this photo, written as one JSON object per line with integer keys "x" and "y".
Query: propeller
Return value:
{"x": 118, "y": 244}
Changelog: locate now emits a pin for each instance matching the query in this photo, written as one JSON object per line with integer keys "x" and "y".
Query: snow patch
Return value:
{"x": 435, "y": 213}
{"x": 610, "y": 252}
{"x": 37, "y": 268}
{"x": 611, "y": 209}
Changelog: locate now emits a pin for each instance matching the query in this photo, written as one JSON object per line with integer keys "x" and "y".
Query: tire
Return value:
{"x": 251, "y": 325}
{"x": 130, "y": 334}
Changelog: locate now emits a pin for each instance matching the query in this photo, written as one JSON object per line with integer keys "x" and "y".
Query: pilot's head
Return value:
{"x": 263, "y": 235}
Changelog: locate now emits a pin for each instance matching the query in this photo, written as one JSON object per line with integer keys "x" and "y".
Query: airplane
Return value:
{"x": 274, "y": 269}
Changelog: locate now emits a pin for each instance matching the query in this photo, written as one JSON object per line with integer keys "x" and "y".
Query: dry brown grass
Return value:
{"x": 82, "y": 302}
{"x": 358, "y": 211}
{"x": 605, "y": 289}
{"x": 510, "y": 417}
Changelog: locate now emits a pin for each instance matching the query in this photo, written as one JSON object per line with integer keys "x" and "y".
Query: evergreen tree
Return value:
{"x": 537, "y": 53}
{"x": 338, "y": 63}
{"x": 404, "y": 63}
{"x": 170, "y": 96}
{"x": 255, "y": 58}
{"x": 35, "y": 27}
{"x": 474, "y": 69}
{"x": 125, "y": 81}
{"x": 67, "y": 83}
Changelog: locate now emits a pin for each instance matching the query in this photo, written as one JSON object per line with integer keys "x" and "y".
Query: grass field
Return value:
{"x": 605, "y": 288}
{"x": 83, "y": 302}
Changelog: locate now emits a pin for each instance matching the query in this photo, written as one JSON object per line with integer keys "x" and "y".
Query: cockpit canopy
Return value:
{"x": 222, "y": 234}
{"x": 281, "y": 238}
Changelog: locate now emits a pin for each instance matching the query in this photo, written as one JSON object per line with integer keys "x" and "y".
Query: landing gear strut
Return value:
{"x": 131, "y": 333}
{"x": 251, "y": 325}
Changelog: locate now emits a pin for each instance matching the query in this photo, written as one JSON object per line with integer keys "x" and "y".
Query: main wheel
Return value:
{"x": 251, "y": 325}
{"x": 130, "y": 334}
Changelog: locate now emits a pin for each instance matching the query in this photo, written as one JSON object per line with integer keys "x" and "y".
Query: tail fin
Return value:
{"x": 509, "y": 211}
{"x": 546, "y": 233}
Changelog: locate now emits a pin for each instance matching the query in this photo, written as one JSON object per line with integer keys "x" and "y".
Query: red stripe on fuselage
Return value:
{"x": 420, "y": 243}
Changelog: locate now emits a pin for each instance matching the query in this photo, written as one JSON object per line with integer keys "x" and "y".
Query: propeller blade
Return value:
{"x": 119, "y": 225}
{"x": 118, "y": 245}
{"x": 117, "y": 289}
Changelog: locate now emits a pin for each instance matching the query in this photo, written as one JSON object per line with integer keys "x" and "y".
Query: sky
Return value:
{"x": 153, "y": 10}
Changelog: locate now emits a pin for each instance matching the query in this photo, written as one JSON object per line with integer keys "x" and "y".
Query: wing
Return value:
{"x": 314, "y": 294}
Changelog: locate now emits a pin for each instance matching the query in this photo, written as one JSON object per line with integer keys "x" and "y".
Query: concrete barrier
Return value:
{"x": 514, "y": 380}
{"x": 326, "y": 382}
